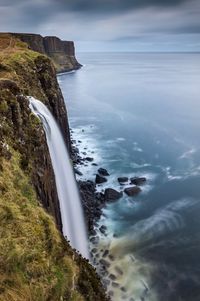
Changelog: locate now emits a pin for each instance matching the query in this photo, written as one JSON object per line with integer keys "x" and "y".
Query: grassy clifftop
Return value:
{"x": 36, "y": 263}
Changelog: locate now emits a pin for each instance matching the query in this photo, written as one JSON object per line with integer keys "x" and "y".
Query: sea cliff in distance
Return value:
{"x": 61, "y": 52}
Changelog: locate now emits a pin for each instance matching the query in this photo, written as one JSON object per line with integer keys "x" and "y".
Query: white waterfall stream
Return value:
{"x": 70, "y": 205}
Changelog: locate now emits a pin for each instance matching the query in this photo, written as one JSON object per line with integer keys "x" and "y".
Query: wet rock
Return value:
{"x": 93, "y": 232}
{"x": 138, "y": 181}
{"x": 132, "y": 191}
{"x": 94, "y": 164}
{"x": 112, "y": 277}
{"x": 111, "y": 257}
{"x": 106, "y": 282}
{"x": 77, "y": 172}
{"x": 94, "y": 240}
{"x": 89, "y": 159}
{"x": 104, "y": 263}
{"x": 99, "y": 179}
{"x": 122, "y": 180}
{"x": 123, "y": 289}
{"x": 94, "y": 250}
{"x": 103, "y": 229}
{"x": 111, "y": 293}
{"x": 115, "y": 284}
{"x": 103, "y": 172}
{"x": 105, "y": 254}
{"x": 112, "y": 194}
{"x": 118, "y": 270}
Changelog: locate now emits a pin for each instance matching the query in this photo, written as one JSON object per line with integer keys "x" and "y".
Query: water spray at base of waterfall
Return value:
{"x": 74, "y": 228}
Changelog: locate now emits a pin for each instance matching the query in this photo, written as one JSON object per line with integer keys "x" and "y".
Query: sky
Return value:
{"x": 109, "y": 25}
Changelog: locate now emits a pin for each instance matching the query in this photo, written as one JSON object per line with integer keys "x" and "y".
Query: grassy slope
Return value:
{"x": 36, "y": 263}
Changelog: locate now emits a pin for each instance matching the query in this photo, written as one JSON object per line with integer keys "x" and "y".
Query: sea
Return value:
{"x": 138, "y": 115}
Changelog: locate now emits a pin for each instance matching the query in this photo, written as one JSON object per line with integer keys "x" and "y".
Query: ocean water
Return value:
{"x": 139, "y": 115}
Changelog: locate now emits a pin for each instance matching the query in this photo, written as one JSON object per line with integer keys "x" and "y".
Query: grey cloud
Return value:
{"x": 131, "y": 21}
{"x": 114, "y": 5}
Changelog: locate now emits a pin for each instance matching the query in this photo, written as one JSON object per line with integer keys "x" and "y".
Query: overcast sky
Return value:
{"x": 107, "y": 25}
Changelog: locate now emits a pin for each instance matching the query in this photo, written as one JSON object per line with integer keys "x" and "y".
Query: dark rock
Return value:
{"x": 111, "y": 293}
{"x": 89, "y": 159}
{"x": 111, "y": 257}
{"x": 103, "y": 172}
{"x": 99, "y": 179}
{"x": 106, "y": 282}
{"x": 94, "y": 164}
{"x": 77, "y": 172}
{"x": 115, "y": 284}
{"x": 103, "y": 229}
{"x": 138, "y": 181}
{"x": 94, "y": 239}
{"x": 122, "y": 180}
{"x": 112, "y": 277}
{"x": 118, "y": 270}
{"x": 112, "y": 194}
{"x": 132, "y": 191}
{"x": 105, "y": 254}
{"x": 104, "y": 263}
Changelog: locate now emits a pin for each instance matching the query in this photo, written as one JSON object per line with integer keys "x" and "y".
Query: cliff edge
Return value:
{"x": 36, "y": 262}
{"x": 61, "y": 52}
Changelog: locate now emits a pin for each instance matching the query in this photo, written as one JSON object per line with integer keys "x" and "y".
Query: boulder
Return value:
{"x": 89, "y": 159}
{"x": 99, "y": 179}
{"x": 103, "y": 172}
{"x": 122, "y": 180}
{"x": 132, "y": 191}
{"x": 77, "y": 172}
{"x": 112, "y": 194}
{"x": 138, "y": 181}
{"x": 103, "y": 229}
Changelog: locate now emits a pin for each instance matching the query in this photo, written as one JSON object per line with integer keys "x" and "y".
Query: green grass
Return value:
{"x": 33, "y": 265}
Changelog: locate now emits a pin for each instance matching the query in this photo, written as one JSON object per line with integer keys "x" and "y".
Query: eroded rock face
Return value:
{"x": 61, "y": 52}
{"x": 21, "y": 131}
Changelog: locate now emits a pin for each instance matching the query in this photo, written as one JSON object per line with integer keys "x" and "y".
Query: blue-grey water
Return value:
{"x": 139, "y": 114}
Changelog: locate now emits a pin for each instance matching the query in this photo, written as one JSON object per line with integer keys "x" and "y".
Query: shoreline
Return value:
{"x": 108, "y": 264}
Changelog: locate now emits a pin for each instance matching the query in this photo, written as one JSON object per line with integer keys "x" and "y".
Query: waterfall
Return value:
{"x": 70, "y": 205}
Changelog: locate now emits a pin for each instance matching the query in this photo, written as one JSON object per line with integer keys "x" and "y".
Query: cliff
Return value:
{"x": 36, "y": 263}
{"x": 61, "y": 52}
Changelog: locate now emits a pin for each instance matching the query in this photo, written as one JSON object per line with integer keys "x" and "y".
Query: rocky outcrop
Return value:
{"x": 61, "y": 52}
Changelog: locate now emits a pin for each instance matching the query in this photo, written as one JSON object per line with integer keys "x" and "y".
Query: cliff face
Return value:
{"x": 35, "y": 261}
{"x": 61, "y": 52}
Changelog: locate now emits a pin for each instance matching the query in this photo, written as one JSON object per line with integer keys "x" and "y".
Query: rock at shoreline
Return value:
{"x": 99, "y": 179}
{"x": 103, "y": 229}
{"x": 132, "y": 191}
{"x": 138, "y": 181}
{"x": 103, "y": 172}
{"x": 122, "y": 180}
{"x": 112, "y": 194}
{"x": 77, "y": 172}
{"x": 89, "y": 159}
